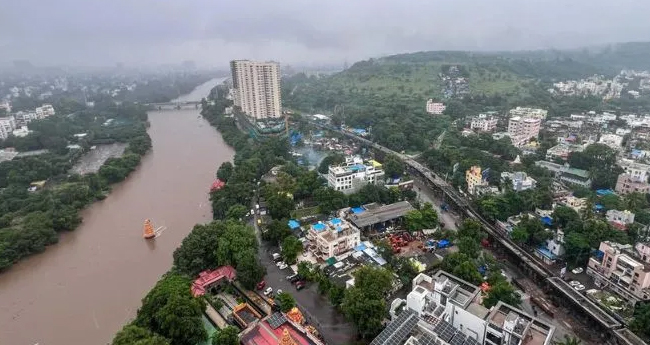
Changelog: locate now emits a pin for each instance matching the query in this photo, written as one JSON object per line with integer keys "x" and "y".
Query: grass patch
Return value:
{"x": 305, "y": 212}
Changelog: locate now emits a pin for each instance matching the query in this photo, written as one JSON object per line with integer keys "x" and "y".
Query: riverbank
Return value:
{"x": 86, "y": 287}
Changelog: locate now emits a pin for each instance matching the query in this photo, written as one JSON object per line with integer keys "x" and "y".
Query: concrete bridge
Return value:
{"x": 175, "y": 105}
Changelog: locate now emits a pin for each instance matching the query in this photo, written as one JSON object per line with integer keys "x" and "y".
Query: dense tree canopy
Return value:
{"x": 135, "y": 335}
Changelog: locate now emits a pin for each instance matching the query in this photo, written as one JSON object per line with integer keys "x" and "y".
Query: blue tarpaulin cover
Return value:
{"x": 357, "y": 210}
{"x": 318, "y": 226}
{"x": 293, "y": 224}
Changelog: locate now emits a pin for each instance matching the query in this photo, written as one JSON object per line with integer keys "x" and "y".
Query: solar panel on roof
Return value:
{"x": 398, "y": 330}
{"x": 458, "y": 339}
{"x": 276, "y": 320}
{"x": 427, "y": 339}
{"x": 471, "y": 341}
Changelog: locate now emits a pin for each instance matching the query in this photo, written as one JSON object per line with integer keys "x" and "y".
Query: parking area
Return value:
{"x": 317, "y": 309}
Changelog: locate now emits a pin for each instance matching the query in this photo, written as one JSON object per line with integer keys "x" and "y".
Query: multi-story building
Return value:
{"x": 567, "y": 174}
{"x": 483, "y": 123}
{"x": 435, "y": 108}
{"x": 529, "y": 112}
{"x": 522, "y": 129}
{"x": 474, "y": 178}
{"x": 621, "y": 218}
{"x": 636, "y": 170}
{"x": 46, "y": 110}
{"x": 562, "y": 151}
{"x": 626, "y": 184}
{"x": 7, "y": 126}
{"x": 333, "y": 238}
{"x": 444, "y": 309}
{"x": 257, "y": 88}
{"x": 23, "y": 118}
{"x": 612, "y": 140}
{"x": 6, "y": 106}
{"x": 616, "y": 267}
{"x": 520, "y": 180}
{"x": 577, "y": 204}
{"x": 350, "y": 176}
{"x": 21, "y": 132}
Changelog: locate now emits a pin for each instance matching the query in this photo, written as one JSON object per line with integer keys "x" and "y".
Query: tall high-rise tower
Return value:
{"x": 257, "y": 88}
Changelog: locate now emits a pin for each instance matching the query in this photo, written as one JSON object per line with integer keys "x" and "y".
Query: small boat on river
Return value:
{"x": 149, "y": 233}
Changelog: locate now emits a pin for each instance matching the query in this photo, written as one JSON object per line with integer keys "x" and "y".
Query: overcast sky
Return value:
{"x": 301, "y": 32}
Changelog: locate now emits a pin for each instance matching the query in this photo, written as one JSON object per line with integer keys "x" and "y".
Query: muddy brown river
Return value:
{"x": 83, "y": 289}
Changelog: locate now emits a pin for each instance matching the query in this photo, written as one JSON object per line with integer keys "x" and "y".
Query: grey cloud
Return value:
{"x": 146, "y": 32}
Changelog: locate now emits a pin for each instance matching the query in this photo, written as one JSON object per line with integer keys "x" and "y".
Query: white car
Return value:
{"x": 268, "y": 291}
{"x": 283, "y": 266}
{"x": 579, "y": 287}
{"x": 577, "y": 270}
{"x": 574, "y": 283}
{"x": 280, "y": 263}
{"x": 278, "y": 292}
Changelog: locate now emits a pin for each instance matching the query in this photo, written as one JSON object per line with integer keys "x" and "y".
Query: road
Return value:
{"x": 426, "y": 195}
{"x": 316, "y": 308}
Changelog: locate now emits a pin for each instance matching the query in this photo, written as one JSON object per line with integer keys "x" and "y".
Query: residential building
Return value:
{"x": 7, "y": 126}
{"x": 522, "y": 129}
{"x": 46, "y": 110}
{"x": 567, "y": 174}
{"x": 577, "y": 204}
{"x": 636, "y": 170}
{"x": 21, "y": 132}
{"x": 353, "y": 174}
{"x": 529, "y": 112}
{"x": 612, "y": 140}
{"x": 332, "y": 238}
{"x": 623, "y": 218}
{"x": 257, "y": 88}
{"x": 483, "y": 123}
{"x": 643, "y": 251}
{"x": 555, "y": 245}
{"x": 444, "y": 309}
{"x": 6, "y": 106}
{"x": 616, "y": 267}
{"x": 482, "y": 190}
{"x": 562, "y": 151}
{"x": 519, "y": 180}
{"x": 23, "y": 118}
{"x": 435, "y": 108}
{"x": 626, "y": 184}
{"x": 474, "y": 178}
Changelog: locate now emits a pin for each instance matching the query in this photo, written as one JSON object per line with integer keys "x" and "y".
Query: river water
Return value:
{"x": 83, "y": 289}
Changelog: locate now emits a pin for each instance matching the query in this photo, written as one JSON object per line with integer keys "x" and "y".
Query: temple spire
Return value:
{"x": 286, "y": 338}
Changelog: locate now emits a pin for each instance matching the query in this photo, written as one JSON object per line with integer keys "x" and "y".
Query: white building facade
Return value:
{"x": 484, "y": 123}
{"x": 333, "y": 238}
{"x": 522, "y": 129}
{"x": 435, "y": 108}
{"x": 353, "y": 174}
{"x": 7, "y": 126}
{"x": 257, "y": 88}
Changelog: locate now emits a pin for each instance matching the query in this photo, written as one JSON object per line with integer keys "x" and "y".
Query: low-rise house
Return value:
{"x": 612, "y": 140}
{"x": 616, "y": 267}
{"x": 567, "y": 174}
{"x": 529, "y": 112}
{"x": 484, "y": 123}
{"x": 621, "y": 219}
{"x": 435, "y": 108}
{"x": 562, "y": 151}
{"x": 636, "y": 170}
{"x": 334, "y": 238}
{"x": 519, "y": 180}
{"x": 627, "y": 184}
{"x": 577, "y": 204}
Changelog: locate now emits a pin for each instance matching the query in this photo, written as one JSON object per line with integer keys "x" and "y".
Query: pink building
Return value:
{"x": 627, "y": 184}
{"x": 522, "y": 129}
{"x": 618, "y": 268}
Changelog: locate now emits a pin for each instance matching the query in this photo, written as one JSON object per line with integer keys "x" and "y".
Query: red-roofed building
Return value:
{"x": 216, "y": 185}
{"x": 287, "y": 332}
{"x": 208, "y": 278}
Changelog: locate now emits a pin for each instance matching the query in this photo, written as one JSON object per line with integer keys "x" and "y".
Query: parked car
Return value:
{"x": 577, "y": 270}
{"x": 579, "y": 287}
{"x": 276, "y": 257}
{"x": 574, "y": 283}
{"x": 291, "y": 276}
{"x": 261, "y": 285}
{"x": 280, "y": 263}
{"x": 279, "y": 291}
{"x": 268, "y": 291}
{"x": 283, "y": 266}
{"x": 300, "y": 284}
{"x": 295, "y": 278}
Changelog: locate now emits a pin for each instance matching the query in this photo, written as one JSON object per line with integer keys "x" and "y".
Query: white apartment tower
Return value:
{"x": 257, "y": 88}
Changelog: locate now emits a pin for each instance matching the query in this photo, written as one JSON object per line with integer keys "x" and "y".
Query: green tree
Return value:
{"x": 502, "y": 291}
{"x": 568, "y": 341}
{"x": 393, "y": 166}
{"x": 291, "y": 248}
{"x": 226, "y": 336}
{"x": 562, "y": 215}
{"x": 170, "y": 310}
{"x": 249, "y": 269}
{"x": 519, "y": 234}
{"x": 277, "y": 230}
{"x": 469, "y": 246}
{"x": 329, "y": 200}
{"x": 471, "y": 228}
{"x": 225, "y": 171}
{"x": 197, "y": 250}
{"x": 641, "y": 322}
{"x": 285, "y": 301}
{"x": 280, "y": 205}
{"x": 134, "y": 335}
{"x": 366, "y": 312}
{"x": 236, "y": 212}
{"x": 425, "y": 218}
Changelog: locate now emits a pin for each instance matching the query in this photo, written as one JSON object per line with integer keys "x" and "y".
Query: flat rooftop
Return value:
{"x": 530, "y": 330}
{"x": 372, "y": 216}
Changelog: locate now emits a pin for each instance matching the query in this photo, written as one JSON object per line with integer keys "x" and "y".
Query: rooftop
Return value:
{"x": 519, "y": 323}
{"x": 380, "y": 214}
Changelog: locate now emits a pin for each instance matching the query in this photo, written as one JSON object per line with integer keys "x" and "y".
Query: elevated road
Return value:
{"x": 543, "y": 273}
